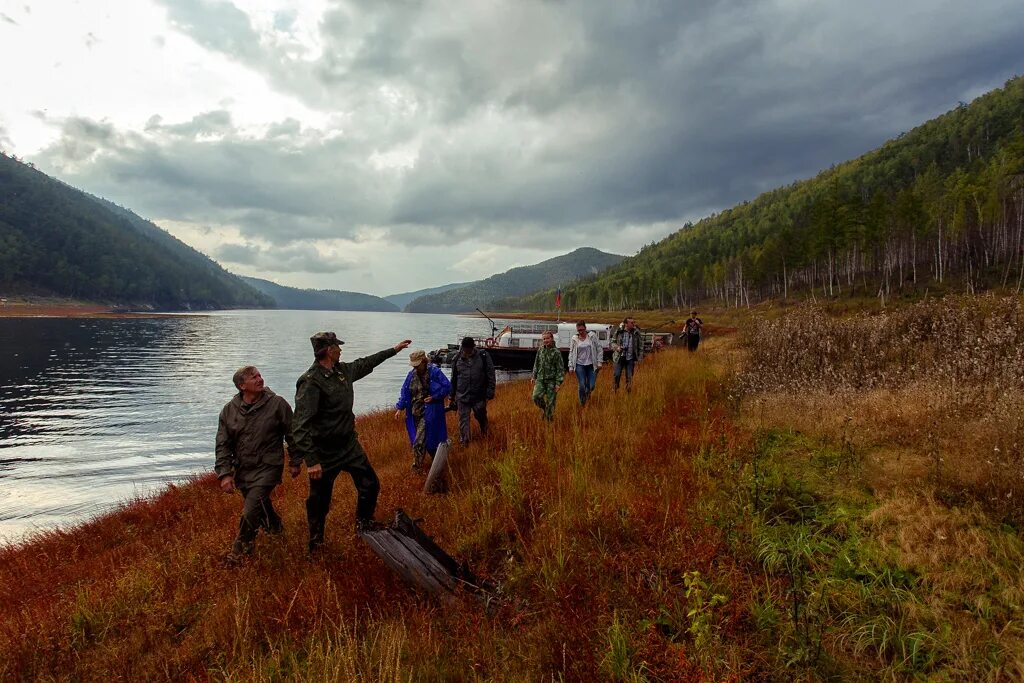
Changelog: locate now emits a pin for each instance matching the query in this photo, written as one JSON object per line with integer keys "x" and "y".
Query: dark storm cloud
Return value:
{"x": 290, "y": 259}
{"x": 546, "y": 124}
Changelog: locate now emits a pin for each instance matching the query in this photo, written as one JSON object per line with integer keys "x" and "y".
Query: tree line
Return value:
{"x": 56, "y": 240}
{"x": 939, "y": 207}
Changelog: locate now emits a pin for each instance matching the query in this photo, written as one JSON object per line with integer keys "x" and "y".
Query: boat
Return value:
{"x": 515, "y": 346}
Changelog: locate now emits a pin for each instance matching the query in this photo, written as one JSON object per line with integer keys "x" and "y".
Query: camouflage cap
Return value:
{"x": 417, "y": 357}
{"x": 321, "y": 340}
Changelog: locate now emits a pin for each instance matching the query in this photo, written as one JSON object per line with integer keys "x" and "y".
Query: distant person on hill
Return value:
{"x": 692, "y": 331}
{"x": 325, "y": 433}
{"x": 472, "y": 386}
{"x": 627, "y": 350}
{"x": 548, "y": 375}
{"x": 251, "y": 432}
{"x": 422, "y": 399}
{"x": 585, "y": 358}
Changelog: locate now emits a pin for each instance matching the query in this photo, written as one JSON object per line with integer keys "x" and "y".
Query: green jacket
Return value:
{"x": 324, "y": 425}
{"x": 250, "y": 440}
{"x": 548, "y": 366}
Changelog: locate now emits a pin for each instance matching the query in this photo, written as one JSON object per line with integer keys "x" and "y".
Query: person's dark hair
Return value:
{"x": 242, "y": 374}
{"x": 467, "y": 343}
{"x": 693, "y": 313}
{"x": 581, "y": 322}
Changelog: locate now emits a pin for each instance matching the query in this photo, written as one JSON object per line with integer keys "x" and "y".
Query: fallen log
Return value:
{"x": 416, "y": 558}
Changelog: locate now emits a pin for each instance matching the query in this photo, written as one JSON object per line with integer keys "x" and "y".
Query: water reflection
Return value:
{"x": 93, "y": 412}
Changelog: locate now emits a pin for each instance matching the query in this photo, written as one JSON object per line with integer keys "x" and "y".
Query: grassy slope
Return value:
{"x": 682, "y": 533}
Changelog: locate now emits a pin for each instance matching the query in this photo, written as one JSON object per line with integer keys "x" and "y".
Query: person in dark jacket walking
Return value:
{"x": 325, "y": 433}
{"x": 251, "y": 432}
{"x": 472, "y": 386}
{"x": 692, "y": 331}
{"x": 627, "y": 350}
{"x": 422, "y": 400}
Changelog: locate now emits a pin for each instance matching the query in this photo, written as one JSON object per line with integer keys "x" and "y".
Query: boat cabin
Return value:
{"x": 528, "y": 335}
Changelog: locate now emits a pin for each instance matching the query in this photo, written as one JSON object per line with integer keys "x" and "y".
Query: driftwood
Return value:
{"x": 437, "y": 477}
{"x": 416, "y": 558}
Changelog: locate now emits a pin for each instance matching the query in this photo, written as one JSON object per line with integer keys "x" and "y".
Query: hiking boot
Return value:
{"x": 234, "y": 559}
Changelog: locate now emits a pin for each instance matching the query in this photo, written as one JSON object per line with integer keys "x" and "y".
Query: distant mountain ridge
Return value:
{"x": 488, "y": 293}
{"x": 320, "y": 299}
{"x": 60, "y": 241}
{"x": 402, "y": 300}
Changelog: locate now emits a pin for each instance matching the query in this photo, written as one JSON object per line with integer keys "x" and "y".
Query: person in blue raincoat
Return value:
{"x": 422, "y": 398}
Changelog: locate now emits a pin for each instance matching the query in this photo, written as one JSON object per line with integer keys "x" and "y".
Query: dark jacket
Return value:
{"x": 250, "y": 440}
{"x": 433, "y": 412}
{"x": 473, "y": 377}
{"x": 638, "y": 344}
{"x": 324, "y": 425}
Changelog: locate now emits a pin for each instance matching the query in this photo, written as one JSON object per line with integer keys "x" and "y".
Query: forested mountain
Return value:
{"x": 59, "y": 241}
{"x": 319, "y": 299}
{"x": 401, "y": 300}
{"x": 940, "y": 207}
{"x": 487, "y": 293}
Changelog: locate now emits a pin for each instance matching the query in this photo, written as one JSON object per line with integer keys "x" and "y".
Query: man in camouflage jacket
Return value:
{"x": 325, "y": 433}
{"x": 548, "y": 375}
{"x": 251, "y": 432}
{"x": 627, "y": 350}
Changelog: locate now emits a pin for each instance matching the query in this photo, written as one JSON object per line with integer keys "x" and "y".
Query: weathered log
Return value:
{"x": 416, "y": 558}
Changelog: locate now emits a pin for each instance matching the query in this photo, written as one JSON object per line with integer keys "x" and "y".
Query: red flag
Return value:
{"x": 558, "y": 298}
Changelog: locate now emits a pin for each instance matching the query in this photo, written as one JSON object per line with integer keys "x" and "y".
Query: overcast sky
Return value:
{"x": 390, "y": 146}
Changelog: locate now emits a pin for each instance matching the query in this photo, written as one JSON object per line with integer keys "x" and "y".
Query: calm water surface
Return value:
{"x": 95, "y": 412}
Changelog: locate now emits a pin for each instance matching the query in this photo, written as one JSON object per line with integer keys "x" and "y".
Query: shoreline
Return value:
{"x": 73, "y": 310}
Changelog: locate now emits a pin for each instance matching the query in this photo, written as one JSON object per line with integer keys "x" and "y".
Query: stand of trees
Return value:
{"x": 941, "y": 206}
{"x": 59, "y": 241}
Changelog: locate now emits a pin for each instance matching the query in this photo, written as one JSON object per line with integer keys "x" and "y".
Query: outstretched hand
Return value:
{"x": 403, "y": 344}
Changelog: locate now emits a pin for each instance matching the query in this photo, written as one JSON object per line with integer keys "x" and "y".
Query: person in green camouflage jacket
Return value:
{"x": 325, "y": 435}
{"x": 548, "y": 375}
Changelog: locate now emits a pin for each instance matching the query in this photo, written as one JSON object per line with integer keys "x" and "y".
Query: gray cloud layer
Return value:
{"x": 537, "y": 123}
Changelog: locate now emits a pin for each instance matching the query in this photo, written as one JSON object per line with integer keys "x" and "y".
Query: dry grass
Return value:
{"x": 907, "y": 425}
{"x": 584, "y": 525}
{"x": 801, "y": 520}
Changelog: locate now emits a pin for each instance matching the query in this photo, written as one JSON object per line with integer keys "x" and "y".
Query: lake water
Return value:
{"x": 94, "y": 412}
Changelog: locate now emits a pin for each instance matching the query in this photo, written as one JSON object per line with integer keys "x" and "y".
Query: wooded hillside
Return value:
{"x": 941, "y": 207}
{"x": 319, "y": 299}
{"x": 59, "y": 241}
{"x": 554, "y": 272}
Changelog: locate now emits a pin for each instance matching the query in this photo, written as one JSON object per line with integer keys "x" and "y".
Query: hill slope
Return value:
{"x": 939, "y": 207}
{"x": 517, "y": 282}
{"x": 60, "y": 241}
{"x": 319, "y": 299}
{"x": 402, "y": 300}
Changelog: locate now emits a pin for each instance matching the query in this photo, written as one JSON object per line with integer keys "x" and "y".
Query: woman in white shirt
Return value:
{"x": 584, "y": 360}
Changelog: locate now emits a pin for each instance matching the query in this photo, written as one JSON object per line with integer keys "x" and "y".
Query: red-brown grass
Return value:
{"x": 586, "y": 526}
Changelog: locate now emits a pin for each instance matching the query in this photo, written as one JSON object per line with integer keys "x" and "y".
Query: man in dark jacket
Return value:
{"x": 627, "y": 350}
{"x": 472, "y": 386}
{"x": 251, "y": 432}
{"x": 325, "y": 433}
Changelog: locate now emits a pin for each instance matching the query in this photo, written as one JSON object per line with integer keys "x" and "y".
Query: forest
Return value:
{"x": 940, "y": 208}
{"x": 58, "y": 241}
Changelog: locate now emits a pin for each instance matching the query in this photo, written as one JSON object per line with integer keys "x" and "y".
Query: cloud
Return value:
{"x": 528, "y": 125}
{"x": 302, "y": 258}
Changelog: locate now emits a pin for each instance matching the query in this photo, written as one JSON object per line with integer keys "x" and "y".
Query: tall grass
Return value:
{"x": 750, "y": 512}
{"x": 574, "y": 522}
